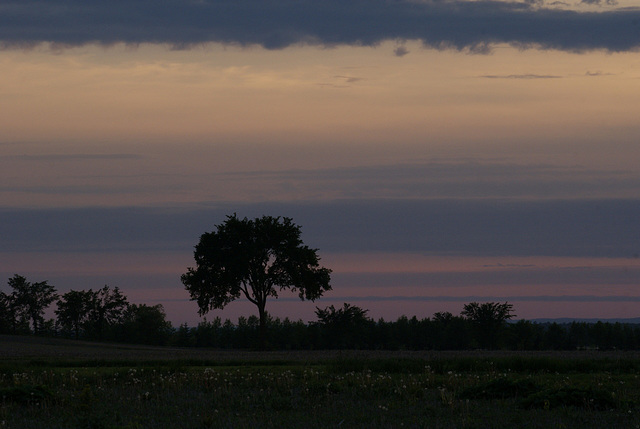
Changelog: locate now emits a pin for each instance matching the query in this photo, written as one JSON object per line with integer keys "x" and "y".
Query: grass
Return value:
{"x": 171, "y": 388}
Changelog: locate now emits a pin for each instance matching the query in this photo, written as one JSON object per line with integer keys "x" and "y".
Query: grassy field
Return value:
{"x": 50, "y": 383}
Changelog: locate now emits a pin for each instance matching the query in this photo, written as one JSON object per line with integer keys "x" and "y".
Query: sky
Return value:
{"x": 434, "y": 152}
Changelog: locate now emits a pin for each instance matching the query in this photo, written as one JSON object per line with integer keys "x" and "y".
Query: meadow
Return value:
{"x": 53, "y": 383}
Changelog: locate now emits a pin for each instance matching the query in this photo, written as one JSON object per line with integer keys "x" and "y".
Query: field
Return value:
{"x": 50, "y": 383}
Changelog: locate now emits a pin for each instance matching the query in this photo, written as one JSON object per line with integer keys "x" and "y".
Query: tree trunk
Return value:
{"x": 34, "y": 320}
{"x": 263, "y": 326}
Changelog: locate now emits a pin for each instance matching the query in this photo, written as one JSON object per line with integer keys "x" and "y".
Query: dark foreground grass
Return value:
{"x": 356, "y": 391}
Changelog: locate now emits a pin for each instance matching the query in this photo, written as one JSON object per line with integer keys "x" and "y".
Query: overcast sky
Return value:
{"x": 435, "y": 152}
{"x": 276, "y": 24}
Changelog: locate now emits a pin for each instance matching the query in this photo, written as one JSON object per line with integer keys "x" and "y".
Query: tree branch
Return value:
{"x": 246, "y": 293}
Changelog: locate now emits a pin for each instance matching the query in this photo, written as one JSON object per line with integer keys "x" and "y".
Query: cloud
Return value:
{"x": 494, "y": 227}
{"x": 600, "y": 2}
{"x": 550, "y": 277}
{"x": 440, "y": 179}
{"x": 275, "y": 24}
{"x": 522, "y": 76}
{"x": 597, "y": 73}
{"x": 64, "y": 181}
{"x": 80, "y": 181}
{"x": 75, "y": 157}
{"x": 400, "y": 51}
{"x": 349, "y": 79}
{"x": 484, "y": 298}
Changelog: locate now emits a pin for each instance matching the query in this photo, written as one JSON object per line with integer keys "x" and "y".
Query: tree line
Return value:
{"x": 106, "y": 315}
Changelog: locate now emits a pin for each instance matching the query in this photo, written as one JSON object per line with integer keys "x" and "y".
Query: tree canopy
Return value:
{"x": 254, "y": 258}
{"x": 106, "y": 307}
{"x": 346, "y": 316}
{"x": 73, "y": 310}
{"x": 28, "y": 301}
{"x": 488, "y": 318}
{"x": 490, "y": 313}
{"x": 343, "y": 327}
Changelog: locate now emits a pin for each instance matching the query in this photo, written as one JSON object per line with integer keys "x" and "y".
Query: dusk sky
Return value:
{"x": 435, "y": 152}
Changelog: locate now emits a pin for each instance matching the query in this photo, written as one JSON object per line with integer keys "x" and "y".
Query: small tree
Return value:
{"x": 450, "y": 332}
{"x": 489, "y": 319}
{"x": 73, "y": 310}
{"x": 30, "y": 300}
{"x": 348, "y": 315}
{"x": 106, "y": 308}
{"x": 7, "y": 316}
{"x": 255, "y": 259}
{"x": 146, "y": 324}
{"x": 344, "y": 326}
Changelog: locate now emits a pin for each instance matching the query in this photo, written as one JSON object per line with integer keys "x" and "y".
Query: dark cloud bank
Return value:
{"x": 494, "y": 227}
{"x": 276, "y": 24}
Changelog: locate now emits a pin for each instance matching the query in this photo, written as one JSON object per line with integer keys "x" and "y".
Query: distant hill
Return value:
{"x": 633, "y": 320}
